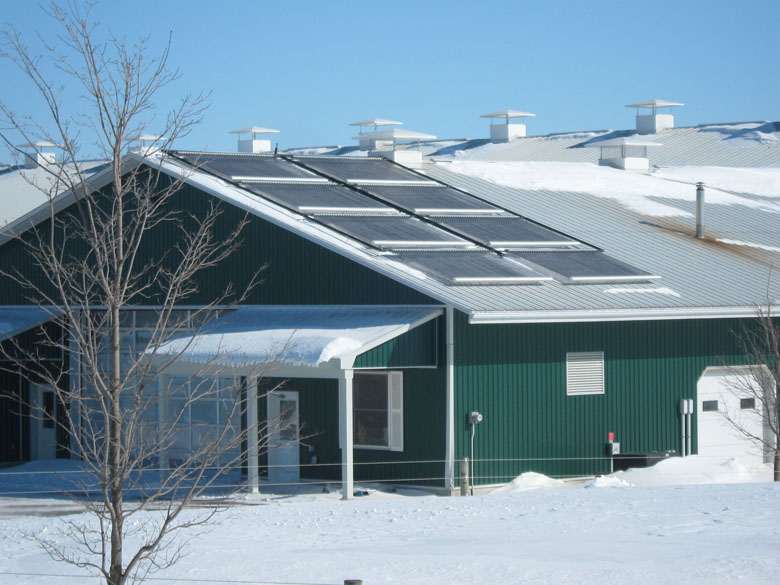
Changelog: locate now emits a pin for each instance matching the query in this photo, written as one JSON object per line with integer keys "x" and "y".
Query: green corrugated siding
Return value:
{"x": 297, "y": 271}
{"x": 516, "y": 376}
{"x": 415, "y": 348}
{"x": 421, "y": 461}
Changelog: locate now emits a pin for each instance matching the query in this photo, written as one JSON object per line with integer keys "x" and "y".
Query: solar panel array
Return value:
{"x": 446, "y": 233}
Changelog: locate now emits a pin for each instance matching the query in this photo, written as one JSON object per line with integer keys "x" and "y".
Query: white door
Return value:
{"x": 718, "y": 392}
{"x": 283, "y": 439}
{"x": 43, "y": 429}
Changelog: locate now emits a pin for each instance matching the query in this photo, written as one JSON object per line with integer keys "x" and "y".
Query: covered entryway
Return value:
{"x": 725, "y": 403}
{"x": 283, "y": 342}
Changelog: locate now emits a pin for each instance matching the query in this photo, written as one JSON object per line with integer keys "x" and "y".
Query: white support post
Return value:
{"x": 346, "y": 430}
{"x": 251, "y": 436}
{"x": 449, "y": 456}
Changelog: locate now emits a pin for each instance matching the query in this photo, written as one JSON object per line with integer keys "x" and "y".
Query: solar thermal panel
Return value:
{"x": 392, "y": 232}
{"x": 587, "y": 266}
{"x": 505, "y": 231}
{"x": 425, "y": 200}
{"x": 316, "y": 198}
{"x": 472, "y": 267}
{"x": 239, "y": 167}
{"x": 362, "y": 170}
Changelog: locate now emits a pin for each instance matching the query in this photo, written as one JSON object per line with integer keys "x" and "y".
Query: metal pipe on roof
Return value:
{"x": 700, "y": 210}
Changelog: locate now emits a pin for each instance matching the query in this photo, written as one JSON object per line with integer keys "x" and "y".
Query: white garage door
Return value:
{"x": 718, "y": 392}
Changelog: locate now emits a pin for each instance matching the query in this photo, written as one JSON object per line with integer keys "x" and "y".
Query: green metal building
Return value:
{"x": 418, "y": 297}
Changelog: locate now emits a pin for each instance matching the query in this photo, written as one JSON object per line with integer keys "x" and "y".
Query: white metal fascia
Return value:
{"x": 584, "y": 316}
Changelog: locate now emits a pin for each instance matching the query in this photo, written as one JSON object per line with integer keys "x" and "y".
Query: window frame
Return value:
{"x": 394, "y": 420}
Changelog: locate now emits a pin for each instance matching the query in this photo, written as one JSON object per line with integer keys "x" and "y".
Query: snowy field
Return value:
{"x": 685, "y": 521}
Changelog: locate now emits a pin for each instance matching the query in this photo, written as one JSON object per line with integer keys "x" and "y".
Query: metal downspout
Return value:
{"x": 449, "y": 470}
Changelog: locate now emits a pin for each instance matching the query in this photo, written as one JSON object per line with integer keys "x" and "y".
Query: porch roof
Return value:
{"x": 15, "y": 320}
{"x": 302, "y": 336}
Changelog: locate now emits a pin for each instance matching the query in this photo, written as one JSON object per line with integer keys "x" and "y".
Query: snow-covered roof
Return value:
{"x": 22, "y": 190}
{"x": 655, "y": 103}
{"x": 508, "y": 114}
{"x": 744, "y": 144}
{"x": 296, "y": 335}
{"x": 14, "y": 320}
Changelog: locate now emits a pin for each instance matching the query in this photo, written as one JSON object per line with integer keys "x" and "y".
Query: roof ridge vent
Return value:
{"x": 38, "y": 153}
{"x": 654, "y": 122}
{"x": 628, "y": 153}
{"x": 253, "y": 145}
{"x": 506, "y": 131}
{"x": 367, "y": 142}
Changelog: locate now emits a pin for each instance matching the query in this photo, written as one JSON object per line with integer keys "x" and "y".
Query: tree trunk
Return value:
{"x": 114, "y": 452}
{"x": 777, "y": 463}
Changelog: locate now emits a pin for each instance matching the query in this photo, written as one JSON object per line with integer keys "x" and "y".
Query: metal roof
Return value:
{"x": 751, "y": 144}
{"x": 699, "y": 278}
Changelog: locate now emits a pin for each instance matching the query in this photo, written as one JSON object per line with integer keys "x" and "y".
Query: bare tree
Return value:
{"x": 758, "y": 382}
{"x": 92, "y": 262}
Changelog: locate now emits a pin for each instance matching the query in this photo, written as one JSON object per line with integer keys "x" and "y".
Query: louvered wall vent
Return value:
{"x": 585, "y": 373}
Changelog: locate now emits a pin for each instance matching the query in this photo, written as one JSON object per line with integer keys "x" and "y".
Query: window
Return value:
{"x": 709, "y": 406}
{"x": 585, "y": 373}
{"x": 747, "y": 403}
{"x": 378, "y": 410}
{"x": 48, "y": 409}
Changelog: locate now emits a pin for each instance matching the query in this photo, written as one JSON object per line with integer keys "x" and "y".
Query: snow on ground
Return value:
{"x": 636, "y": 191}
{"x": 684, "y": 521}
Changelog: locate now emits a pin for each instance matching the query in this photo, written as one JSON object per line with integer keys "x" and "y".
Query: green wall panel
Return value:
{"x": 415, "y": 348}
{"x": 516, "y": 376}
{"x": 297, "y": 271}
{"x": 421, "y": 461}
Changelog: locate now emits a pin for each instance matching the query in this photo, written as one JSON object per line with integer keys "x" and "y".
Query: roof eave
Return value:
{"x": 591, "y": 315}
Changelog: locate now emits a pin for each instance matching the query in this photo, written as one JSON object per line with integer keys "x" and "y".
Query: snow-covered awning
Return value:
{"x": 15, "y": 320}
{"x": 305, "y": 336}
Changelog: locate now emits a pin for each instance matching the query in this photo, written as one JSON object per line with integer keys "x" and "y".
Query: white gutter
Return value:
{"x": 584, "y": 316}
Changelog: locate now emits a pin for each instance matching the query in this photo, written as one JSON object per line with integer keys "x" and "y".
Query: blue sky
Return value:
{"x": 310, "y": 68}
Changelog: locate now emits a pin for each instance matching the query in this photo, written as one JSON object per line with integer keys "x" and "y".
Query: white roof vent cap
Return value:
{"x": 506, "y": 131}
{"x": 38, "y": 153}
{"x": 653, "y": 122}
{"x": 253, "y": 144}
{"x": 628, "y": 153}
